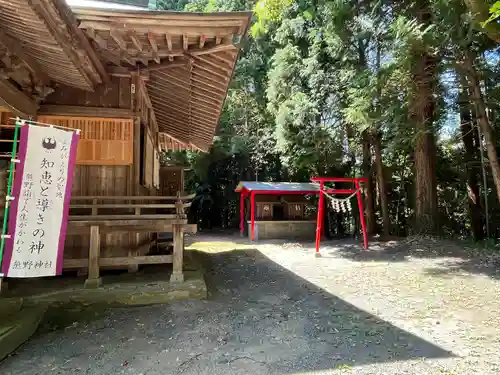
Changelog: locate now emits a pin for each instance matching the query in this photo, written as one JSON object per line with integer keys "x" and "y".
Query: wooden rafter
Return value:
{"x": 180, "y": 81}
{"x": 205, "y": 99}
{"x": 212, "y": 71}
{"x": 186, "y": 82}
{"x": 209, "y": 94}
{"x": 212, "y": 117}
{"x": 204, "y": 122}
{"x": 167, "y": 64}
{"x": 115, "y": 59}
{"x": 125, "y": 57}
{"x": 19, "y": 103}
{"x": 159, "y": 103}
{"x": 206, "y": 82}
{"x": 177, "y": 126}
{"x": 209, "y": 61}
{"x": 168, "y": 38}
{"x": 171, "y": 77}
{"x": 203, "y": 39}
{"x": 135, "y": 41}
{"x": 221, "y": 56}
{"x": 170, "y": 105}
{"x": 154, "y": 47}
{"x": 83, "y": 111}
{"x": 180, "y": 100}
{"x": 16, "y": 49}
{"x": 160, "y": 96}
{"x": 208, "y": 78}
{"x": 206, "y": 51}
{"x": 97, "y": 39}
{"x": 63, "y": 37}
{"x": 69, "y": 18}
{"x": 210, "y": 32}
{"x": 165, "y": 89}
{"x": 190, "y": 104}
{"x": 167, "y": 102}
{"x": 118, "y": 38}
{"x": 180, "y": 113}
{"x": 166, "y": 138}
{"x": 175, "y": 120}
{"x": 172, "y": 110}
{"x": 173, "y": 123}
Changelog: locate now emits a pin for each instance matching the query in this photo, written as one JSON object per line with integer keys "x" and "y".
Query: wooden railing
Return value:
{"x": 135, "y": 214}
{"x": 106, "y": 214}
{"x": 134, "y": 209}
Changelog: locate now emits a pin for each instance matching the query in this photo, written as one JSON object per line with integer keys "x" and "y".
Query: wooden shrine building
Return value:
{"x": 277, "y": 209}
{"x": 136, "y": 82}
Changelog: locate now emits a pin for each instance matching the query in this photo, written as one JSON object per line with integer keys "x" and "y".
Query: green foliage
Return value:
{"x": 268, "y": 11}
{"x": 314, "y": 77}
{"x": 495, "y": 14}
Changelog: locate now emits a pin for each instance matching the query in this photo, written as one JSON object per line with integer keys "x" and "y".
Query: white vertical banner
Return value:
{"x": 40, "y": 205}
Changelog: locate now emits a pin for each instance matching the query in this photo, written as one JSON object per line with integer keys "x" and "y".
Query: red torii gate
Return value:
{"x": 322, "y": 190}
{"x": 318, "y": 188}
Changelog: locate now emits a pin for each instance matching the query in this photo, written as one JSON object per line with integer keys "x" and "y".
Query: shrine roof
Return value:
{"x": 278, "y": 187}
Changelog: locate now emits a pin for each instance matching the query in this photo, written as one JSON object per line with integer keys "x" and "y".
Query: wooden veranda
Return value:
{"x": 136, "y": 82}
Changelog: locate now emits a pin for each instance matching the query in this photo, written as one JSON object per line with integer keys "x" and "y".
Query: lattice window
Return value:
{"x": 103, "y": 141}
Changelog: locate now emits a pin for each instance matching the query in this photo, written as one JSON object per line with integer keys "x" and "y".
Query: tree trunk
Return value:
{"x": 471, "y": 143}
{"x": 350, "y": 133}
{"x": 382, "y": 188}
{"x": 423, "y": 108}
{"x": 367, "y": 172}
{"x": 482, "y": 118}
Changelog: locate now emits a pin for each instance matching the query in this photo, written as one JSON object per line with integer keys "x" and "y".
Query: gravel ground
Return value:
{"x": 276, "y": 309}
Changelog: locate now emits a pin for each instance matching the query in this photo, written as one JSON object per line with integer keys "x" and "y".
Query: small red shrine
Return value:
{"x": 278, "y": 209}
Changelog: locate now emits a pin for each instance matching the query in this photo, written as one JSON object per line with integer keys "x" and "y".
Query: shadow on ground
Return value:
{"x": 260, "y": 319}
{"x": 292, "y": 325}
{"x": 451, "y": 258}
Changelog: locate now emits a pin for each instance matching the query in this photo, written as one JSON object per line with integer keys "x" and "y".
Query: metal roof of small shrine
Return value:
{"x": 284, "y": 187}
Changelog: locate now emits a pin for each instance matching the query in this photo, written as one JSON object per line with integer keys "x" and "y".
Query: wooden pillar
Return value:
{"x": 136, "y": 172}
{"x": 94, "y": 279}
{"x": 178, "y": 256}
{"x": 95, "y": 212}
{"x": 178, "y": 234}
{"x": 132, "y": 268}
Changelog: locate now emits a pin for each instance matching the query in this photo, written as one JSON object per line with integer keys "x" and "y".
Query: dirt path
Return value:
{"x": 278, "y": 310}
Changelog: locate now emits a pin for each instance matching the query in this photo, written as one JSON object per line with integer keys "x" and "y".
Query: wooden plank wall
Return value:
{"x": 101, "y": 181}
{"x": 115, "y": 95}
{"x": 171, "y": 180}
